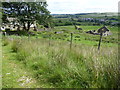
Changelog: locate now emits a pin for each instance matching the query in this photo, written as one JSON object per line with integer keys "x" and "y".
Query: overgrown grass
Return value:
{"x": 81, "y": 67}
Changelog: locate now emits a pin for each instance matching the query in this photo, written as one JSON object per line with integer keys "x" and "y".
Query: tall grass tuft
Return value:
{"x": 5, "y": 41}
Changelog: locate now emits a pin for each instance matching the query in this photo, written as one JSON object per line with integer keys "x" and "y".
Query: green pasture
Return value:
{"x": 45, "y": 60}
{"x": 80, "y": 37}
{"x": 51, "y": 63}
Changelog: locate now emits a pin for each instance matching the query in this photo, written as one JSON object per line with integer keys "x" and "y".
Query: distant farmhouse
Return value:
{"x": 10, "y": 24}
{"x": 104, "y": 30}
{"x": 13, "y": 24}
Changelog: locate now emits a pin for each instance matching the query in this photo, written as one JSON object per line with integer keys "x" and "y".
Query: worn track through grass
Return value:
{"x": 15, "y": 75}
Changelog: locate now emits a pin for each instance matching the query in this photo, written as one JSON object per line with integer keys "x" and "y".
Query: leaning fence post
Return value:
{"x": 71, "y": 40}
{"x": 49, "y": 39}
{"x": 100, "y": 41}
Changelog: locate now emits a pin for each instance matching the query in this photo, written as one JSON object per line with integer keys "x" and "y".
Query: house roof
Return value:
{"x": 103, "y": 29}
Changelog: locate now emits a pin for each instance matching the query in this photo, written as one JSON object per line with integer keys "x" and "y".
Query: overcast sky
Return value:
{"x": 81, "y": 6}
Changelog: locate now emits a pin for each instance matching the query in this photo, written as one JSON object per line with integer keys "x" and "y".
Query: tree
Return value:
{"x": 27, "y": 13}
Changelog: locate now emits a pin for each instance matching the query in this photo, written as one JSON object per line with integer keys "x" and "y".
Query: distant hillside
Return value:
{"x": 110, "y": 18}
{"x": 100, "y": 14}
{"x": 90, "y": 14}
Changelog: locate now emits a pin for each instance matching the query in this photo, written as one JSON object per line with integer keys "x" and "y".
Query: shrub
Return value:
{"x": 15, "y": 45}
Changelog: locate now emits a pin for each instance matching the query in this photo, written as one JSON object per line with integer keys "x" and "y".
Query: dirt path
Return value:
{"x": 14, "y": 74}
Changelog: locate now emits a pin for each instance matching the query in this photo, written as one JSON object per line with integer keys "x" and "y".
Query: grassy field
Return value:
{"x": 49, "y": 62}
{"x": 81, "y": 36}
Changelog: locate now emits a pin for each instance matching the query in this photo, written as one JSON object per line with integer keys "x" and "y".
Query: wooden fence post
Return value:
{"x": 71, "y": 40}
{"x": 100, "y": 41}
{"x": 49, "y": 39}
